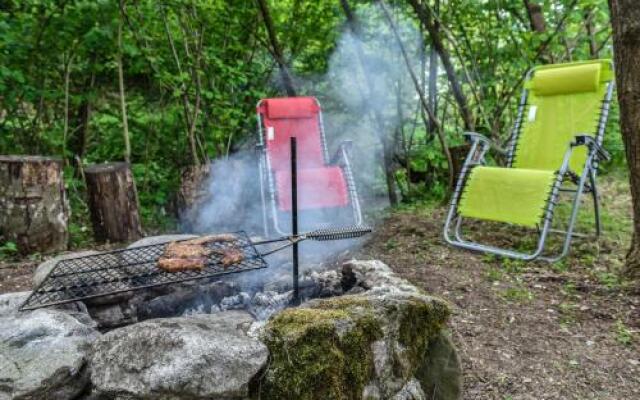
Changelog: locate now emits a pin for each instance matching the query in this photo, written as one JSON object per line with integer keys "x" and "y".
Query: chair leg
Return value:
{"x": 596, "y": 202}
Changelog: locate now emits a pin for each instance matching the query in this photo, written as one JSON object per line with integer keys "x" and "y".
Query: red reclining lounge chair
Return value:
{"x": 323, "y": 184}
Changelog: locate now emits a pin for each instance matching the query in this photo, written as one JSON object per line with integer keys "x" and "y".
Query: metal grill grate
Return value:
{"x": 130, "y": 269}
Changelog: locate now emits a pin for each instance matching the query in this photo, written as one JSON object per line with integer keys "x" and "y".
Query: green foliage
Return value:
{"x": 215, "y": 56}
{"x": 8, "y": 249}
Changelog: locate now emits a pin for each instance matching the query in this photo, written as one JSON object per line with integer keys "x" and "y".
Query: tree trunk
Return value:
{"x": 433, "y": 85}
{"x": 78, "y": 141}
{"x": 123, "y": 100}
{"x": 65, "y": 129}
{"x": 276, "y": 49}
{"x": 625, "y": 18}
{"x": 536, "y": 17}
{"x": 594, "y": 52}
{"x": 427, "y": 20}
{"x": 113, "y": 202}
{"x": 33, "y": 204}
{"x": 423, "y": 101}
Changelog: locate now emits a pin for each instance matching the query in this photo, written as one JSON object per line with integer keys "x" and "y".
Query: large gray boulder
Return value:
{"x": 196, "y": 357}
{"x": 10, "y": 302}
{"x": 385, "y": 342}
{"x": 43, "y": 354}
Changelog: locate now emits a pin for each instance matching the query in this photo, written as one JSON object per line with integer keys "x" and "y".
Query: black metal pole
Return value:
{"x": 294, "y": 218}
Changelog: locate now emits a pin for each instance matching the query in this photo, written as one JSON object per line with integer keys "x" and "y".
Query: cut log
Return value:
{"x": 113, "y": 202}
{"x": 33, "y": 205}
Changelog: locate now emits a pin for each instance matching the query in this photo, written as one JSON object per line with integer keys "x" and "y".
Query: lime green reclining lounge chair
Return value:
{"x": 555, "y": 145}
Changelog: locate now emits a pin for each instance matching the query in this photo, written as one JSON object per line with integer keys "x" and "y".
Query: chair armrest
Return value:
{"x": 478, "y": 137}
{"x": 475, "y": 136}
{"x": 590, "y": 142}
{"x": 343, "y": 149}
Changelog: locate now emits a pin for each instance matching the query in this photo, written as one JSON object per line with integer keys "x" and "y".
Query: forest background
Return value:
{"x": 172, "y": 84}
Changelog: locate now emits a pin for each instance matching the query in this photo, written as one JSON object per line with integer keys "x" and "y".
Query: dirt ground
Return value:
{"x": 569, "y": 330}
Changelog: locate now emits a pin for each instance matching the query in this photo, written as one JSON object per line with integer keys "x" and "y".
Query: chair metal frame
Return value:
{"x": 476, "y": 156}
{"x": 268, "y": 192}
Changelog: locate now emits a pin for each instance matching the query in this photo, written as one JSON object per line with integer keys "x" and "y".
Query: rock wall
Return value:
{"x": 382, "y": 339}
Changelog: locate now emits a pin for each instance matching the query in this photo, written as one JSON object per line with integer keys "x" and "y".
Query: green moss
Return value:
{"x": 419, "y": 322}
{"x": 319, "y": 353}
{"x": 344, "y": 303}
{"x": 325, "y": 351}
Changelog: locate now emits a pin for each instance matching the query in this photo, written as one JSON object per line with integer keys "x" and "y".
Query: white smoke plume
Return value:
{"x": 353, "y": 90}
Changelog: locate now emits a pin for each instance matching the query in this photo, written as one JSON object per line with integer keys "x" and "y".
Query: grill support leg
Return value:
{"x": 294, "y": 219}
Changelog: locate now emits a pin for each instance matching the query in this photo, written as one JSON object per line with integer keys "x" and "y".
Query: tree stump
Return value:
{"x": 33, "y": 205}
{"x": 113, "y": 202}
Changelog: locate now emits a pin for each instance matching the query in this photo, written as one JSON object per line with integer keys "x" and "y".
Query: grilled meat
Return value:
{"x": 193, "y": 254}
{"x": 185, "y": 250}
{"x": 231, "y": 257}
{"x": 182, "y": 264}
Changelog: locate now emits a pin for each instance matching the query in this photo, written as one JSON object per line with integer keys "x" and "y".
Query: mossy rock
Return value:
{"x": 441, "y": 373}
{"x": 324, "y": 349}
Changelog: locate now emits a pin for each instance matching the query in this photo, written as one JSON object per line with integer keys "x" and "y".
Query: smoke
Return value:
{"x": 366, "y": 97}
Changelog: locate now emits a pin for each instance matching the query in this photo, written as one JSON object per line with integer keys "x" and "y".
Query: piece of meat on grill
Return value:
{"x": 182, "y": 264}
{"x": 193, "y": 254}
{"x": 231, "y": 257}
{"x": 185, "y": 250}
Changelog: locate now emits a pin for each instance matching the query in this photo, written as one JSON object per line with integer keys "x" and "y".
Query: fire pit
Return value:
{"x": 361, "y": 332}
{"x": 113, "y": 325}
{"x": 126, "y": 270}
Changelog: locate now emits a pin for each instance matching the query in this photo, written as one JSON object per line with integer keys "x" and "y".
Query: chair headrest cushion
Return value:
{"x": 567, "y": 80}
{"x": 291, "y": 107}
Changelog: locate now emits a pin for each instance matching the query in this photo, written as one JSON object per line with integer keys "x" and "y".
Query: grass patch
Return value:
{"x": 517, "y": 295}
{"x": 622, "y": 333}
{"x": 513, "y": 266}
{"x": 494, "y": 274}
{"x": 559, "y": 266}
{"x": 608, "y": 279}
